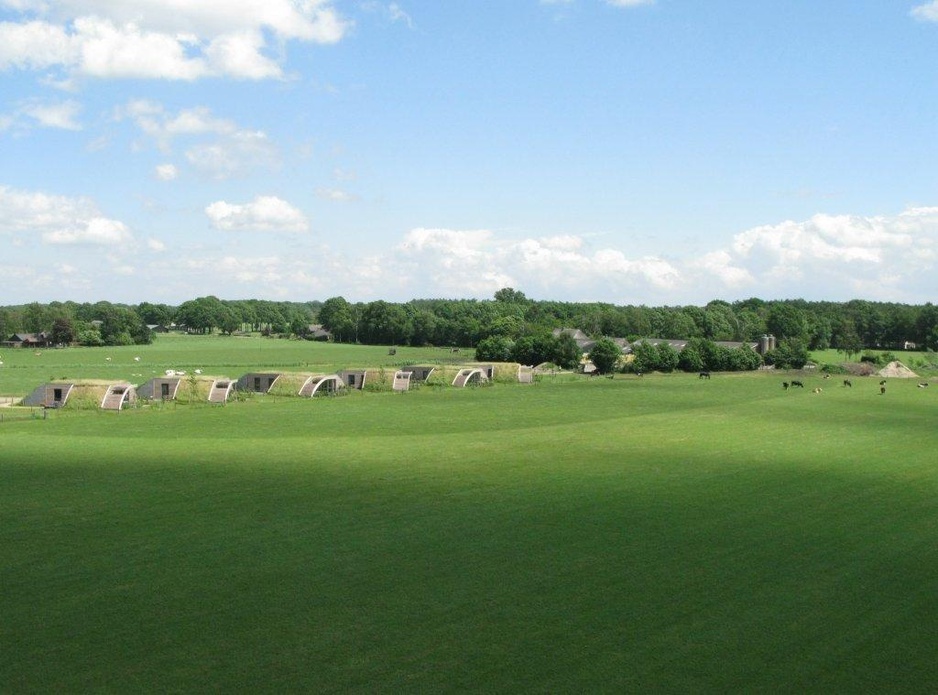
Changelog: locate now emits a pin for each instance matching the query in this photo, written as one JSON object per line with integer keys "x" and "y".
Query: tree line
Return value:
{"x": 508, "y": 318}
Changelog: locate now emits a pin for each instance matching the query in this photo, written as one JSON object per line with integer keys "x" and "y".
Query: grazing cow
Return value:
{"x": 923, "y": 385}
{"x": 882, "y": 383}
{"x": 785, "y": 385}
{"x": 882, "y": 390}
{"x": 818, "y": 389}
{"x": 703, "y": 375}
{"x": 827, "y": 376}
{"x": 797, "y": 383}
{"x": 847, "y": 383}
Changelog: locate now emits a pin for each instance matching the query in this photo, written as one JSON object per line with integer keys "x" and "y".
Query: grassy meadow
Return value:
{"x": 658, "y": 533}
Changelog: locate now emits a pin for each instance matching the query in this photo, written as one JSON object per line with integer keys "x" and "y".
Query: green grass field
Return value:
{"x": 579, "y": 535}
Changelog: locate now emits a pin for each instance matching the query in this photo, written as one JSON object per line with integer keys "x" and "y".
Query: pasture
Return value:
{"x": 656, "y": 533}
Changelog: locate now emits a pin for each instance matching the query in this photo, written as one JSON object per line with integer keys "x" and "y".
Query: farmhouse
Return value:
{"x": 317, "y": 331}
{"x": 29, "y": 340}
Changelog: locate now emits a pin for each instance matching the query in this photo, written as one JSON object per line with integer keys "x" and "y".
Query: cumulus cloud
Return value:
{"x": 927, "y": 12}
{"x": 166, "y": 172}
{"x": 54, "y": 115}
{"x": 44, "y": 114}
{"x": 480, "y": 260}
{"x": 162, "y": 39}
{"x": 263, "y": 214}
{"x": 860, "y": 256}
{"x": 824, "y": 257}
{"x": 58, "y": 219}
{"x": 222, "y": 151}
{"x": 334, "y": 195}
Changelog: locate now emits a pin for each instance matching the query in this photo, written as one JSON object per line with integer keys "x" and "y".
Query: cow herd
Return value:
{"x": 847, "y": 383}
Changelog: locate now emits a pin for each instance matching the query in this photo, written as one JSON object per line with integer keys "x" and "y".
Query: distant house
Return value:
{"x": 583, "y": 341}
{"x": 678, "y": 345}
{"x": 316, "y": 331}
{"x": 29, "y": 340}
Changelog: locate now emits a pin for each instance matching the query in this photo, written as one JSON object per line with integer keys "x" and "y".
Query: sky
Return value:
{"x": 657, "y": 152}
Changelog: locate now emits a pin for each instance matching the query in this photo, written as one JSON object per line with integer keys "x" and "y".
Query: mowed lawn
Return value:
{"x": 663, "y": 533}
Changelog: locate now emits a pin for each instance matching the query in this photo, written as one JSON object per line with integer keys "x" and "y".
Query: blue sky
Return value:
{"x": 627, "y": 151}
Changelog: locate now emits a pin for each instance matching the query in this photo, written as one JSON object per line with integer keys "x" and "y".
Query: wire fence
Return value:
{"x": 11, "y": 414}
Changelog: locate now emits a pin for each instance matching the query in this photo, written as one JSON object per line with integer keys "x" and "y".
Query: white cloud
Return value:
{"x": 234, "y": 155}
{"x": 264, "y": 213}
{"x": 58, "y": 115}
{"x": 166, "y": 172}
{"x": 58, "y": 219}
{"x": 334, "y": 195}
{"x": 44, "y": 114}
{"x": 162, "y": 39}
{"x": 156, "y": 245}
{"x": 927, "y": 12}
{"x": 229, "y": 152}
{"x": 478, "y": 259}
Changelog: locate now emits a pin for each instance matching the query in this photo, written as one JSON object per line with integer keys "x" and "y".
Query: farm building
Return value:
{"x": 29, "y": 340}
{"x": 324, "y": 384}
{"x": 220, "y": 391}
{"x": 257, "y": 383}
{"x": 420, "y": 373}
{"x": 317, "y": 331}
{"x": 118, "y": 396}
{"x": 354, "y": 378}
{"x": 52, "y": 395}
{"x": 402, "y": 380}
{"x": 163, "y": 388}
{"x": 525, "y": 374}
{"x": 88, "y": 394}
{"x": 470, "y": 376}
